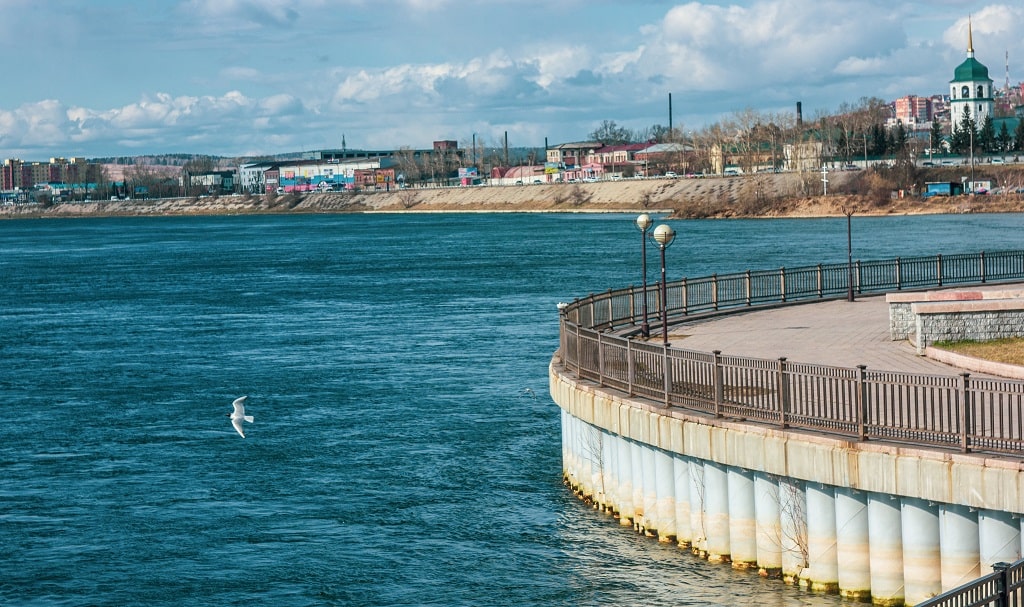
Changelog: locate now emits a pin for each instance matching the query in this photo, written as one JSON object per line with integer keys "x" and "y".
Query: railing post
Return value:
{"x": 899, "y": 275}
{"x": 938, "y": 268}
{"x": 783, "y": 393}
{"x": 862, "y": 402}
{"x": 686, "y": 304}
{"x": 600, "y": 359}
{"x": 965, "y": 412}
{"x": 746, "y": 282}
{"x": 611, "y": 310}
{"x": 719, "y": 380}
{"x": 782, "y": 283}
{"x": 714, "y": 291}
{"x": 856, "y": 264}
{"x": 982, "y": 262}
{"x": 1002, "y": 591}
{"x": 821, "y": 286}
{"x": 657, "y": 296}
{"x": 579, "y": 375}
{"x": 630, "y": 366}
{"x": 632, "y": 305}
{"x": 666, "y": 371}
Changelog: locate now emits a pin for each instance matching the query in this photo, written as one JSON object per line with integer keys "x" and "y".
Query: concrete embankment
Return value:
{"x": 895, "y": 525}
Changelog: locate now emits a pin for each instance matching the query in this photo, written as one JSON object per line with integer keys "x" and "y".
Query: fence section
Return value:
{"x": 945, "y": 411}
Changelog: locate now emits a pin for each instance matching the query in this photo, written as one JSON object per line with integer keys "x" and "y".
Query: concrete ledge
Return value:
{"x": 953, "y": 295}
{"x": 903, "y": 319}
{"x": 973, "y": 480}
{"x": 978, "y": 305}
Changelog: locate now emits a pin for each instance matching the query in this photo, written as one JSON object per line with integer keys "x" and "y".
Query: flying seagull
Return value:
{"x": 239, "y": 414}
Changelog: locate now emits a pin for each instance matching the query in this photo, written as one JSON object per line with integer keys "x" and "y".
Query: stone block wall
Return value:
{"x": 974, "y": 321}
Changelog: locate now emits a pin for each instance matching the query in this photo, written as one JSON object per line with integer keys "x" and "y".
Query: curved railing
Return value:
{"x": 957, "y": 412}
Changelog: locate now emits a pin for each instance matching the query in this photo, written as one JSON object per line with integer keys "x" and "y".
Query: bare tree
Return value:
{"x": 408, "y": 198}
{"x": 408, "y": 164}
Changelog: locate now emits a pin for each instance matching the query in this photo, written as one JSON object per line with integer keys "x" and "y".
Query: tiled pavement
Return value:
{"x": 836, "y": 333}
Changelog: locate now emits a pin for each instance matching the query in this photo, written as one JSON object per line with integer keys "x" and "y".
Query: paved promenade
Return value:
{"x": 837, "y": 333}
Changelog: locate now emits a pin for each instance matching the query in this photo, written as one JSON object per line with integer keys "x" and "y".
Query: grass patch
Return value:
{"x": 1008, "y": 350}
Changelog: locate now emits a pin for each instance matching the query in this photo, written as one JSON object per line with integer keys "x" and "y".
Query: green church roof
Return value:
{"x": 970, "y": 71}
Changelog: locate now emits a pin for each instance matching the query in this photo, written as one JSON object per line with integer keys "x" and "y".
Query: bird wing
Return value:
{"x": 237, "y": 423}
{"x": 239, "y": 405}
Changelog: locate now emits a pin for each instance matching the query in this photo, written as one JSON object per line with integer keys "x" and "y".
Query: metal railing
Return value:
{"x": 1004, "y": 587}
{"x": 956, "y": 412}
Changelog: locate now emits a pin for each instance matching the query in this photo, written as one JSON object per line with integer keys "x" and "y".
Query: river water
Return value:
{"x": 404, "y": 450}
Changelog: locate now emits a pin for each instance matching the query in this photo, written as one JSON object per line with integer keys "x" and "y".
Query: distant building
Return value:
{"x": 913, "y": 109}
{"x": 24, "y": 175}
{"x": 572, "y": 155}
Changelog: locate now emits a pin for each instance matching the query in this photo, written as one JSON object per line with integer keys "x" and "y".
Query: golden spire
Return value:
{"x": 970, "y": 38}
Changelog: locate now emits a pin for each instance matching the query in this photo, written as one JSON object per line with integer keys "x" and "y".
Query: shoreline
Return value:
{"x": 721, "y": 198}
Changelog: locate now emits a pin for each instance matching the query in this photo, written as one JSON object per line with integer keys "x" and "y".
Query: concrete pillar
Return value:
{"x": 959, "y": 545}
{"x": 681, "y": 474}
{"x": 606, "y": 484}
{"x": 921, "y": 562}
{"x": 822, "y": 558}
{"x": 567, "y": 443}
{"x": 742, "y": 518}
{"x": 624, "y": 486}
{"x": 769, "y": 528}
{"x": 666, "y": 497}
{"x": 885, "y": 545}
{"x": 852, "y": 544}
{"x": 999, "y": 539}
{"x": 716, "y": 511}
{"x": 573, "y": 461}
{"x": 584, "y": 457}
{"x": 699, "y": 545}
{"x": 595, "y": 439}
{"x": 636, "y": 477}
{"x": 793, "y": 520}
{"x": 650, "y": 491}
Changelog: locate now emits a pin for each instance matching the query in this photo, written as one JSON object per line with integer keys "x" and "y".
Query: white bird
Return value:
{"x": 239, "y": 414}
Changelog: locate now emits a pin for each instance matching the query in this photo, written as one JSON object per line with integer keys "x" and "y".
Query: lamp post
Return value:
{"x": 849, "y": 256}
{"x": 663, "y": 235}
{"x": 643, "y": 223}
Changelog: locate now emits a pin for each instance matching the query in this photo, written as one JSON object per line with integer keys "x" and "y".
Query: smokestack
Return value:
{"x": 670, "y": 114}
{"x": 799, "y": 114}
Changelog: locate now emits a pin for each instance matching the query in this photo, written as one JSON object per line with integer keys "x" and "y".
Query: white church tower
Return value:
{"x": 970, "y": 89}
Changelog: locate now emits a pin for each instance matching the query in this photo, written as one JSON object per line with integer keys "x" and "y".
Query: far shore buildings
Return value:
{"x": 971, "y": 90}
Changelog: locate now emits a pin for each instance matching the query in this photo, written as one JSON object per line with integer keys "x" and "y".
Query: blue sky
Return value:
{"x": 245, "y": 77}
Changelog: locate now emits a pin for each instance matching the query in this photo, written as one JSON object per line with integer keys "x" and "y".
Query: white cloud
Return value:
{"x": 304, "y": 71}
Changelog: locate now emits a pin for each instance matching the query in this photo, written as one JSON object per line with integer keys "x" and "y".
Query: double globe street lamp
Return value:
{"x": 663, "y": 236}
{"x": 643, "y": 223}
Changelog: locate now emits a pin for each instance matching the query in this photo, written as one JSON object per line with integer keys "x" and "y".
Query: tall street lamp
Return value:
{"x": 643, "y": 223}
{"x": 664, "y": 235}
{"x": 849, "y": 256}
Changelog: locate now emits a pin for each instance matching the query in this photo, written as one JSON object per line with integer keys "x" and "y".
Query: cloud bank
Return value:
{"x": 246, "y": 77}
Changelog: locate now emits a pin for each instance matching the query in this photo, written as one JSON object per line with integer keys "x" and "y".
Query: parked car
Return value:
{"x": 671, "y": 174}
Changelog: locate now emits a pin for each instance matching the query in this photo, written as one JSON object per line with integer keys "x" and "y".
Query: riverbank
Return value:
{"x": 746, "y": 196}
